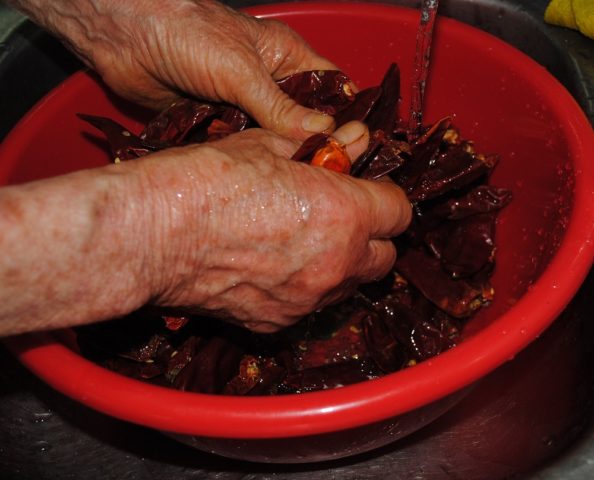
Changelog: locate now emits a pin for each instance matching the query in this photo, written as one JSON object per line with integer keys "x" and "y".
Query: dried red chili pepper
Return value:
{"x": 175, "y": 323}
{"x": 441, "y": 276}
{"x": 124, "y": 145}
{"x": 327, "y": 91}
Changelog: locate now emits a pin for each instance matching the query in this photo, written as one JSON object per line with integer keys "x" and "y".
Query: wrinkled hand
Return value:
{"x": 152, "y": 50}
{"x": 266, "y": 240}
{"x": 231, "y": 226}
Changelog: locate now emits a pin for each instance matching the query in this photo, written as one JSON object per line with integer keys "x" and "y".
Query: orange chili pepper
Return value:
{"x": 332, "y": 156}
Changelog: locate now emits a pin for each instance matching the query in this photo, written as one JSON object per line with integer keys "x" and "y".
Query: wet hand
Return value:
{"x": 247, "y": 234}
{"x": 151, "y": 51}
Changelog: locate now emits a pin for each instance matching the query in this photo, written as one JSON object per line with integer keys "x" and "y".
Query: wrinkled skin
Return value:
{"x": 415, "y": 312}
{"x": 232, "y": 226}
{"x": 174, "y": 233}
{"x": 275, "y": 239}
{"x": 151, "y": 50}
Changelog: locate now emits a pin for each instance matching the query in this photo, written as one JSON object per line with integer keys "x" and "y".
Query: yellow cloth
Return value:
{"x": 576, "y": 14}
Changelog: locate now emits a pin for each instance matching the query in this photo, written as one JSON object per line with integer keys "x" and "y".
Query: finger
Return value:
{"x": 354, "y": 136}
{"x": 262, "y": 326}
{"x": 390, "y": 211}
{"x": 378, "y": 261}
{"x": 274, "y": 110}
{"x": 278, "y": 145}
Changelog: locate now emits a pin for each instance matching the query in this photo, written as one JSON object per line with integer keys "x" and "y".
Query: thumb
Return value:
{"x": 389, "y": 210}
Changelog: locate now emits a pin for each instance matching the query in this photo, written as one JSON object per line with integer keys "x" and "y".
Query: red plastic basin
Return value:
{"x": 501, "y": 99}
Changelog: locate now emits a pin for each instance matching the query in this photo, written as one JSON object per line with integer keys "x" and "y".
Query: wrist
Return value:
{"x": 171, "y": 200}
{"x": 121, "y": 225}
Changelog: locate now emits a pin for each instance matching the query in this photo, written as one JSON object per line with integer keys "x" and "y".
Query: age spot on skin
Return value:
{"x": 12, "y": 208}
{"x": 11, "y": 275}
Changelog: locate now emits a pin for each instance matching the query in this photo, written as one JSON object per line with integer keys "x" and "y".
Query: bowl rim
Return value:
{"x": 319, "y": 412}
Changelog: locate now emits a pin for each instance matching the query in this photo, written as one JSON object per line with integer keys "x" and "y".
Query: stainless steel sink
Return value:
{"x": 44, "y": 435}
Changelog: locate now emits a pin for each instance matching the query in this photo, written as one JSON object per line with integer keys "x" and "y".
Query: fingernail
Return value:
{"x": 350, "y": 132}
{"x": 317, "y": 122}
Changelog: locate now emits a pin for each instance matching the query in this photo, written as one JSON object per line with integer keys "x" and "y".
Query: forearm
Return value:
{"x": 232, "y": 226}
{"x": 151, "y": 51}
{"x": 87, "y": 27}
{"x": 100, "y": 31}
{"x": 70, "y": 252}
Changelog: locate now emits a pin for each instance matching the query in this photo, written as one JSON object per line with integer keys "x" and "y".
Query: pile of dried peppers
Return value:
{"x": 440, "y": 280}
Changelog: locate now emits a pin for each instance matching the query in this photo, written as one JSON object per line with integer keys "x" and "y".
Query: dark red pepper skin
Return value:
{"x": 440, "y": 279}
{"x": 124, "y": 145}
{"x": 211, "y": 367}
{"x": 384, "y": 115}
{"x": 327, "y": 91}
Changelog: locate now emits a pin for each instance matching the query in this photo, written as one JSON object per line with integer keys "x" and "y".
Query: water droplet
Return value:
{"x": 41, "y": 446}
{"x": 548, "y": 441}
{"x": 41, "y": 417}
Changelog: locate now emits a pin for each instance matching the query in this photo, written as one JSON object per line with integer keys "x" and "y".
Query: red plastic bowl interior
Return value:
{"x": 501, "y": 99}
